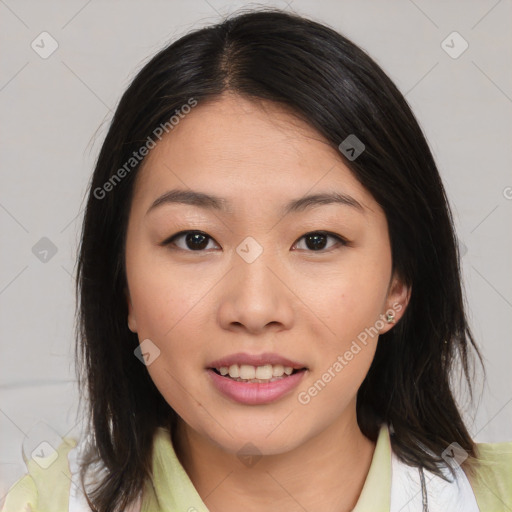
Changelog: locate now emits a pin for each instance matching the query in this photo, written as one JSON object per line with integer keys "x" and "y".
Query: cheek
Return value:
{"x": 338, "y": 373}
{"x": 165, "y": 306}
{"x": 170, "y": 320}
{"x": 161, "y": 294}
{"x": 349, "y": 303}
{"x": 350, "y": 299}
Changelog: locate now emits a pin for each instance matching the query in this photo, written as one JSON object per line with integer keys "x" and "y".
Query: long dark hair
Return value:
{"x": 325, "y": 79}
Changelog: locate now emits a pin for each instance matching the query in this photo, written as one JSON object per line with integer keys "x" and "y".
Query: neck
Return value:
{"x": 327, "y": 472}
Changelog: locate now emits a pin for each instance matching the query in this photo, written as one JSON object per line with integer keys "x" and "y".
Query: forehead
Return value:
{"x": 242, "y": 149}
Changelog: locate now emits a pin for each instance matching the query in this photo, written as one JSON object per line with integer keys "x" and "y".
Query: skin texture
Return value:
{"x": 307, "y": 305}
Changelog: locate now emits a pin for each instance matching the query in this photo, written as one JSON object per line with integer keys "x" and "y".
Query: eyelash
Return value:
{"x": 342, "y": 241}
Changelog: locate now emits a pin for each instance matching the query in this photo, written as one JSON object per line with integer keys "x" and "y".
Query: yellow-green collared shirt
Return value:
{"x": 171, "y": 490}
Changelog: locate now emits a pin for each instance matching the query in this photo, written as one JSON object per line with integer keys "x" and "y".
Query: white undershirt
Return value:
{"x": 442, "y": 496}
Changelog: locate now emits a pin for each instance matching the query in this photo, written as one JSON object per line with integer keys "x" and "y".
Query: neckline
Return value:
{"x": 172, "y": 486}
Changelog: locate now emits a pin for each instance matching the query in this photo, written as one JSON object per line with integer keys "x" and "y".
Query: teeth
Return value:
{"x": 264, "y": 372}
{"x": 247, "y": 372}
{"x": 278, "y": 370}
{"x": 250, "y": 373}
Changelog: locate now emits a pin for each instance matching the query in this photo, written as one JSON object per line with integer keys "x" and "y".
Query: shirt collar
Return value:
{"x": 376, "y": 493}
{"x": 172, "y": 489}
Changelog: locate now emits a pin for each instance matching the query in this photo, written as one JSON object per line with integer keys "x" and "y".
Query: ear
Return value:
{"x": 397, "y": 301}
{"x": 132, "y": 322}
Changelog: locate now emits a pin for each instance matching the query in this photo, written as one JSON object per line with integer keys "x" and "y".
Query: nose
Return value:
{"x": 256, "y": 297}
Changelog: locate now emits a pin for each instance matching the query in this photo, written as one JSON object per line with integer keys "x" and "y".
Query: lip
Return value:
{"x": 254, "y": 393}
{"x": 255, "y": 360}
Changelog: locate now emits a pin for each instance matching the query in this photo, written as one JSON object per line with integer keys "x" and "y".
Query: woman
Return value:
{"x": 269, "y": 293}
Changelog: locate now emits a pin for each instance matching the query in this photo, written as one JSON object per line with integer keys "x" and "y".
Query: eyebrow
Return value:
{"x": 211, "y": 202}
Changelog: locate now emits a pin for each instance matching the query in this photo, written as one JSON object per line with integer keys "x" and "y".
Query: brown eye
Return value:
{"x": 316, "y": 241}
{"x": 194, "y": 240}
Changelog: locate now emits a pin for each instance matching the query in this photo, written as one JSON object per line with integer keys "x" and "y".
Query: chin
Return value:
{"x": 262, "y": 440}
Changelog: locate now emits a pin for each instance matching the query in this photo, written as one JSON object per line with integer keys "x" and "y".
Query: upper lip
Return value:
{"x": 255, "y": 360}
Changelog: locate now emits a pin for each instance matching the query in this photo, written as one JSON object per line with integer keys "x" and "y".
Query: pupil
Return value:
{"x": 318, "y": 241}
{"x": 197, "y": 241}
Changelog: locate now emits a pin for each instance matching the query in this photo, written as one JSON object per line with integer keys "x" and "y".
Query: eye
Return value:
{"x": 194, "y": 240}
{"x": 198, "y": 241}
{"x": 316, "y": 240}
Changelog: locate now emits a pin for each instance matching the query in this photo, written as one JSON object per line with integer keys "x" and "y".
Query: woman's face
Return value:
{"x": 249, "y": 292}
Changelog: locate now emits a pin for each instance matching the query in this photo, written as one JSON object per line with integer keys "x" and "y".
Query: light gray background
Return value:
{"x": 55, "y": 112}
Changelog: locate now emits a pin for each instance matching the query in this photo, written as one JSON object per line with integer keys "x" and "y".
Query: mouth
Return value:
{"x": 256, "y": 374}
{"x": 256, "y": 379}
{"x": 256, "y": 385}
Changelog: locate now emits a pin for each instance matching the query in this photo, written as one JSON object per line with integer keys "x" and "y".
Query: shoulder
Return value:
{"x": 492, "y": 476}
{"x": 46, "y": 485}
{"x": 52, "y": 481}
{"x": 496, "y": 455}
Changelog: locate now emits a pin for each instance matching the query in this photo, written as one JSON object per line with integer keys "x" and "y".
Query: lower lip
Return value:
{"x": 254, "y": 393}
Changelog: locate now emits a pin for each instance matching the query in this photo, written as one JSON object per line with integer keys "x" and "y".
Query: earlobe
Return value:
{"x": 132, "y": 323}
